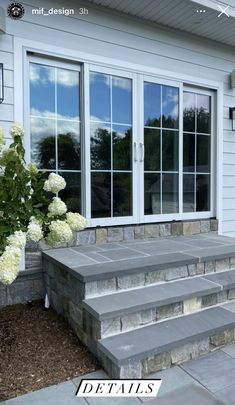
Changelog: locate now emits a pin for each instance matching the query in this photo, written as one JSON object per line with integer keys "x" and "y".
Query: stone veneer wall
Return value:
{"x": 28, "y": 286}
{"x": 102, "y": 235}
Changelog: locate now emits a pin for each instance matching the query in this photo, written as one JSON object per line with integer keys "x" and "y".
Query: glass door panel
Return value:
{"x": 161, "y": 142}
{"x": 196, "y": 152}
{"x": 111, "y": 146}
{"x": 55, "y": 124}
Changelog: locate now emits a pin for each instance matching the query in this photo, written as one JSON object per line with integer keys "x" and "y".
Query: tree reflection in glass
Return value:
{"x": 110, "y": 145}
{"x": 161, "y": 140}
{"x": 100, "y": 146}
{"x": 197, "y": 152}
{"x": 122, "y": 147}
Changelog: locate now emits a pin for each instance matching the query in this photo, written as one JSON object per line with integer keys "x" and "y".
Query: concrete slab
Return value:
{"x": 144, "y": 342}
{"x": 224, "y": 278}
{"x": 190, "y": 394}
{"x": 230, "y": 350}
{"x": 214, "y": 371}
{"x": 61, "y": 394}
{"x": 172, "y": 378}
{"x": 129, "y": 301}
{"x": 227, "y": 395}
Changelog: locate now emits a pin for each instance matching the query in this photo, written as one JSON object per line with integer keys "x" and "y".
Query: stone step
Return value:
{"x": 140, "y": 352}
{"x": 122, "y": 311}
{"x": 144, "y": 264}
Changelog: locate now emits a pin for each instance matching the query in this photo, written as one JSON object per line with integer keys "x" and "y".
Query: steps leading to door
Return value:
{"x": 142, "y": 351}
{"x": 144, "y": 306}
{"x": 139, "y": 270}
{"x": 126, "y": 310}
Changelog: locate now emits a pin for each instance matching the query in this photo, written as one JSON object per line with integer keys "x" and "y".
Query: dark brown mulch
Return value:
{"x": 38, "y": 349}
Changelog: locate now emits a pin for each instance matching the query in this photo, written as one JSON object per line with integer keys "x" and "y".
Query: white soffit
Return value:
{"x": 2, "y": 21}
{"x": 183, "y": 15}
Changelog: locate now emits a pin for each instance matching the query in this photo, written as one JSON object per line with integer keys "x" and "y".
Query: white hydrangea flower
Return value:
{"x": 60, "y": 232}
{"x": 2, "y": 139}
{"x": 17, "y": 130}
{"x": 15, "y": 251}
{"x": 18, "y": 239}
{"x": 55, "y": 183}
{"x": 32, "y": 168}
{"x": 9, "y": 264}
{"x": 34, "y": 231}
{"x": 76, "y": 221}
{"x": 57, "y": 207}
{"x": 8, "y": 153}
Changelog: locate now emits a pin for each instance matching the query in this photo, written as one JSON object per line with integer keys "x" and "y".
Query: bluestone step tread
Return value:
{"x": 124, "y": 302}
{"x": 101, "y": 271}
{"x": 150, "y": 340}
{"x": 224, "y": 278}
{"x": 213, "y": 253}
{"x": 86, "y": 268}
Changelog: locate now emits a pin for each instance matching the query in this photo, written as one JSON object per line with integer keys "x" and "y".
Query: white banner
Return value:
{"x": 118, "y": 388}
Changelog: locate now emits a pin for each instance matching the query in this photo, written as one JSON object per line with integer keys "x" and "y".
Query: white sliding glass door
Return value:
{"x": 132, "y": 148}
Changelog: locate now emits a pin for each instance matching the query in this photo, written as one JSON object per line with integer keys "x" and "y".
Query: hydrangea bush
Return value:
{"x": 26, "y": 211}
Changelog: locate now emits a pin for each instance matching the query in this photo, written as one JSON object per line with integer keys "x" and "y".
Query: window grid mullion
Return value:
{"x": 111, "y": 141}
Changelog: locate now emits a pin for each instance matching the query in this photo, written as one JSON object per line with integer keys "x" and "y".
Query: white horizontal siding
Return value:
{"x": 6, "y": 109}
{"x": 229, "y": 192}
{"x": 229, "y": 181}
{"x": 229, "y": 204}
{"x": 229, "y": 146}
{"x": 6, "y": 112}
{"x": 113, "y": 35}
{"x": 229, "y": 169}
{"x": 229, "y": 226}
{"x": 229, "y": 158}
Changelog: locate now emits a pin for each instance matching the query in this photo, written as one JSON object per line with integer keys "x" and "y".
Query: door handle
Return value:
{"x": 135, "y": 152}
{"x": 142, "y": 151}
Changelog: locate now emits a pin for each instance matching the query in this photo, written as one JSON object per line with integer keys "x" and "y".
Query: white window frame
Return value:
{"x": 52, "y": 62}
{"x": 23, "y": 45}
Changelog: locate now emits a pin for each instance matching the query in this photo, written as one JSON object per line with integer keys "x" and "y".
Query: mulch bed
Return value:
{"x": 38, "y": 349}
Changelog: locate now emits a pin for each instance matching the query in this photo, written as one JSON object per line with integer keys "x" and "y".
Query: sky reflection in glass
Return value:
{"x": 55, "y": 124}
{"x": 42, "y": 90}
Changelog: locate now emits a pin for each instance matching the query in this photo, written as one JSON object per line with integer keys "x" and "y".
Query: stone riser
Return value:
{"x": 162, "y": 361}
{"x": 66, "y": 293}
{"x": 97, "y": 329}
{"x": 141, "y": 279}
